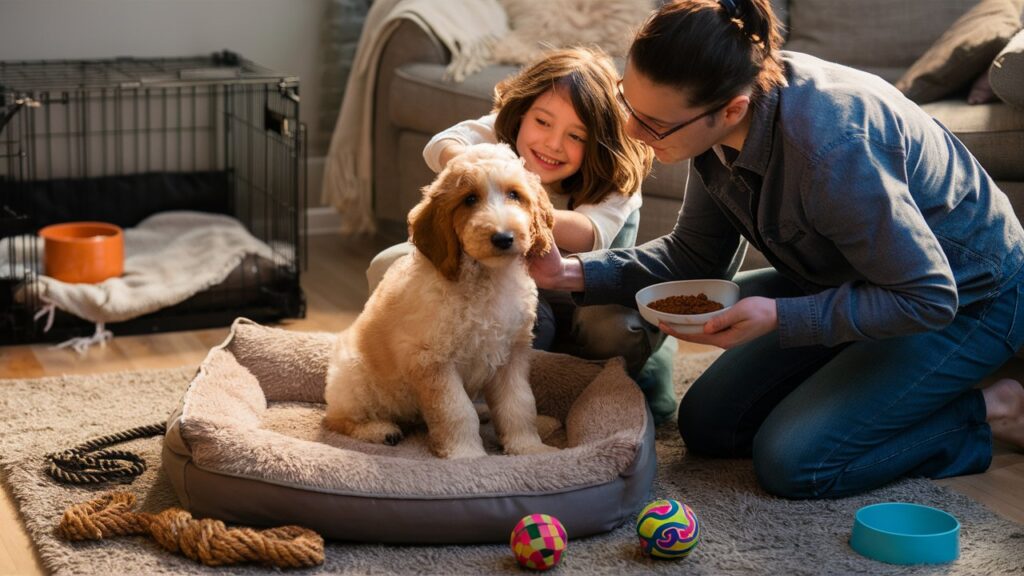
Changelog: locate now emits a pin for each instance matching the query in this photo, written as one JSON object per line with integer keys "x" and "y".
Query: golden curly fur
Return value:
{"x": 452, "y": 319}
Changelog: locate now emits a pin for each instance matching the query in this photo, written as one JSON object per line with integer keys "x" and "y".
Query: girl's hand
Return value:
{"x": 451, "y": 150}
{"x": 744, "y": 321}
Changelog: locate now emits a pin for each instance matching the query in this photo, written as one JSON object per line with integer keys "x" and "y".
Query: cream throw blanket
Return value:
{"x": 467, "y": 28}
{"x": 169, "y": 257}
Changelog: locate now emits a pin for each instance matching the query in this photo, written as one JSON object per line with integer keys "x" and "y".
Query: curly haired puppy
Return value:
{"x": 452, "y": 319}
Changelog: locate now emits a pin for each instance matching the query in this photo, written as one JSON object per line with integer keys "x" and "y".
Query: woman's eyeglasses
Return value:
{"x": 651, "y": 131}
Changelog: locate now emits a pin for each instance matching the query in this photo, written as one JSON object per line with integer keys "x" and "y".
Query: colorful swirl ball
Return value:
{"x": 667, "y": 529}
{"x": 538, "y": 541}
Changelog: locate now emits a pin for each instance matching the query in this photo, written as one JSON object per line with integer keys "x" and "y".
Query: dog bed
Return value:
{"x": 247, "y": 445}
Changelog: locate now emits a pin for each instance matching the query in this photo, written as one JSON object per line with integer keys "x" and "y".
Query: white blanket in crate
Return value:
{"x": 169, "y": 257}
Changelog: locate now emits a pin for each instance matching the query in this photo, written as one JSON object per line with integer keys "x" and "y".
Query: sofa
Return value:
{"x": 413, "y": 101}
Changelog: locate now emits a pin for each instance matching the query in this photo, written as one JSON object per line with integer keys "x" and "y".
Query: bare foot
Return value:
{"x": 1004, "y": 406}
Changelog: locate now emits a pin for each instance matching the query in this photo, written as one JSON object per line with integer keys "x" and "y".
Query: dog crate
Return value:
{"x": 119, "y": 140}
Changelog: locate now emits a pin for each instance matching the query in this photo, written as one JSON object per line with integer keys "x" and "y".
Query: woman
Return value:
{"x": 897, "y": 260}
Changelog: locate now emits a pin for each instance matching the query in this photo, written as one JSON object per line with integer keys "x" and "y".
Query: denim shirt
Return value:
{"x": 849, "y": 189}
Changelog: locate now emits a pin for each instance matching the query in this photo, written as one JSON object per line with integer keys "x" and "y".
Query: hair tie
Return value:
{"x": 732, "y": 11}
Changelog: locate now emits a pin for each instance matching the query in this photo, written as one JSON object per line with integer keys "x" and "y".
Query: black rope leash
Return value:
{"x": 87, "y": 463}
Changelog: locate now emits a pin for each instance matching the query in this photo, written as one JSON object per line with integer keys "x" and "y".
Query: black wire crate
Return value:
{"x": 121, "y": 140}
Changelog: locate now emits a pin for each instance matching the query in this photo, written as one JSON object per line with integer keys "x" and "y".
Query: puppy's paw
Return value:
{"x": 465, "y": 450}
{"x": 547, "y": 426}
{"x": 378, "y": 432}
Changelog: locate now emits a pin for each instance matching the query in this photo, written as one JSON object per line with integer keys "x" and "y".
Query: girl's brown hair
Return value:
{"x": 712, "y": 50}
{"x": 612, "y": 161}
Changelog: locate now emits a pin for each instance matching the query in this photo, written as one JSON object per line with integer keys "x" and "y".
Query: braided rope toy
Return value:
{"x": 205, "y": 540}
{"x": 87, "y": 464}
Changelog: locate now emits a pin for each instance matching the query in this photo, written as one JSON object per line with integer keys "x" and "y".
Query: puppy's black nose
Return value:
{"x": 502, "y": 240}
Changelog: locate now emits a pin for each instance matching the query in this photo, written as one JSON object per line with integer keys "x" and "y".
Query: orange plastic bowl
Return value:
{"x": 83, "y": 252}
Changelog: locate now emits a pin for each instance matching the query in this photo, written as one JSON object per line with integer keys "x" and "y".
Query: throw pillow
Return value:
{"x": 1007, "y": 72}
{"x": 963, "y": 52}
{"x": 538, "y": 25}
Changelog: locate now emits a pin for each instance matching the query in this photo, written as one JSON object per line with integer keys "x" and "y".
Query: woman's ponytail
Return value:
{"x": 713, "y": 49}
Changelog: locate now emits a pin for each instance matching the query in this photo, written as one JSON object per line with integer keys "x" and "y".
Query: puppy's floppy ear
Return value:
{"x": 432, "y": 227}
{"x": 542, "y": 220}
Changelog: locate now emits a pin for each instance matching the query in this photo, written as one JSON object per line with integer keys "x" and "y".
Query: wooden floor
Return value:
{"x": 335, "y": 287}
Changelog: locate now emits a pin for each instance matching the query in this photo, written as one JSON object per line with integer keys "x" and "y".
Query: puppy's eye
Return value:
{"x": 470, "y": 200}
{"x": 513, "y": 195}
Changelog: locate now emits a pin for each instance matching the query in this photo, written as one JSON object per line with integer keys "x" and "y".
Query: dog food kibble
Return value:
{"x": 699, "y": 304}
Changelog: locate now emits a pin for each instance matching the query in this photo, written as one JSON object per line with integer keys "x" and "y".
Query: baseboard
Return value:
{"x": 319, "y": 219}
{"x": 325, "y": 219}
{"x": 322, "y": 220}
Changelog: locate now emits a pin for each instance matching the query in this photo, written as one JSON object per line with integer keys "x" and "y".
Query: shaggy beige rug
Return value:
{"x": 744, "y": 531}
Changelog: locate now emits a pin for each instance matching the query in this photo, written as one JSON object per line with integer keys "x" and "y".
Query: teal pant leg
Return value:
{"x": 656, "y": 382}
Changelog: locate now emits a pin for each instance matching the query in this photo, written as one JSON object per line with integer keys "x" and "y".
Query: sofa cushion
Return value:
{"x": 422, "y": 100}
{"x": 963, "y": 51}
{"x": 1007, "y": 72}
{"x": 870, "y": 33}
{"x": 994, "y": 133}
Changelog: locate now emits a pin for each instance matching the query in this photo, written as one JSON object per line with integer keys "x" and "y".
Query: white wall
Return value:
{"x": 283, "y": 35}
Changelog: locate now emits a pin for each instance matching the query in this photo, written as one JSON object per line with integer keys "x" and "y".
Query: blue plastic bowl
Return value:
{"x": 902, "y": 533}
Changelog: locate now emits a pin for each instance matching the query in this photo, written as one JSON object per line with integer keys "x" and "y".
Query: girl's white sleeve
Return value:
{"x": 467, "y": 133}
{"x": 609, "y": 215}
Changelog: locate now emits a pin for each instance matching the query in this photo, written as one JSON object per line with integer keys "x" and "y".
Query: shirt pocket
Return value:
{"x": 793, "y": 246}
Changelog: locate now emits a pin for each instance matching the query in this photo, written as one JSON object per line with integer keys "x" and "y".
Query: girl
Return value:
{"x": 562, "y": 116}
{"x": 898, "y": 262}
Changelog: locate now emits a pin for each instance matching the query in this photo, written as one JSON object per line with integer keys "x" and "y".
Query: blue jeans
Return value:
{"x": 828, "y": 422}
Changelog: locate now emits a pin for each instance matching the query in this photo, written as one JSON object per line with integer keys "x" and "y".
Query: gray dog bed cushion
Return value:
{"x": 247, "y": 446}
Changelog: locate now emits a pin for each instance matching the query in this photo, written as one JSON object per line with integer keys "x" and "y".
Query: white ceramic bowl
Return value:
{"x": 722, "y": 291}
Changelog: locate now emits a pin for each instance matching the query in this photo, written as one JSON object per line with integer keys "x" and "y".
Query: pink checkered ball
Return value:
{"x": 538, "y": 541}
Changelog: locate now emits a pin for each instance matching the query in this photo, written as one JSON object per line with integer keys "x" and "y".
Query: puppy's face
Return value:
{"x": 486, "y": 205}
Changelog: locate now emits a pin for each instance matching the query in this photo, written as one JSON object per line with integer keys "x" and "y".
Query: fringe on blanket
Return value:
{"x": 349, "y": 194}
{"x": 471, "y": 60}
{"x": 80, "y": 344}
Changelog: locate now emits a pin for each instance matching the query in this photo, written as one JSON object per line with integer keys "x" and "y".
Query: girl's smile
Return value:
{"x": 551, "y": 137}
